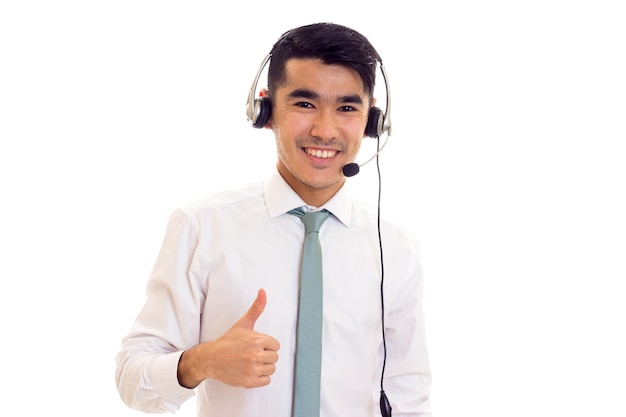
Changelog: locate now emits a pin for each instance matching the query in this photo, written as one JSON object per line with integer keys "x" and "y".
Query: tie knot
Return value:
{"x": 312, "y": 220}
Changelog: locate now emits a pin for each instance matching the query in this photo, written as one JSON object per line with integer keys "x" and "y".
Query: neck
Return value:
{"x": 310, "y": 194}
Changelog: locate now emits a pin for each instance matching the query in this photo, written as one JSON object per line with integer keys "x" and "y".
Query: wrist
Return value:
{"x": 185, "y": 371}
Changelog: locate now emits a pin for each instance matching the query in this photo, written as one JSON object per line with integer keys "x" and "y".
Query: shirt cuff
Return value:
{"x": 164, "y": 377}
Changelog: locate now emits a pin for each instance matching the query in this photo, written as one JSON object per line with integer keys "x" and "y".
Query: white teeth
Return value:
{"x": 321, "y": 153}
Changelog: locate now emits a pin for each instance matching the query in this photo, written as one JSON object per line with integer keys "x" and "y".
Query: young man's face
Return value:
{"x": 319, "y": 116}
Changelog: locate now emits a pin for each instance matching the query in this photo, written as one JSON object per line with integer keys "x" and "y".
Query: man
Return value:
{"x": 220, "y": 319}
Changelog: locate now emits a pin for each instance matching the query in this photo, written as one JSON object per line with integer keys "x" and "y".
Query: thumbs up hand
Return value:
{"x": 240, "y": 357}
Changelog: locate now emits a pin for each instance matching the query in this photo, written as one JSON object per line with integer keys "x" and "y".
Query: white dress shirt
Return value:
{"x": 217, "y": 253}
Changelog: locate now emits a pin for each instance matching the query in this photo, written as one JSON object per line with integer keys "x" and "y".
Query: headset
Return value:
{"x": 259, "y": 111}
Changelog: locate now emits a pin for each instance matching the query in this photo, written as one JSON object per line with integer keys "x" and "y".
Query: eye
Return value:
{"x": 304, "y": 104}
{"x": 347, "y": 108}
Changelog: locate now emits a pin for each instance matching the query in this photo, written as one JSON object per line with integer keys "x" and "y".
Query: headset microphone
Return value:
{"x": 351, "y": 169}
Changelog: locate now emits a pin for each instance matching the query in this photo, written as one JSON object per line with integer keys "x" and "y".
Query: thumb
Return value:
{"x": 248, "y": 320}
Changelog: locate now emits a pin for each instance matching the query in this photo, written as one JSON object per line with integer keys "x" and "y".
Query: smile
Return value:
{"x": 321, "y": 153}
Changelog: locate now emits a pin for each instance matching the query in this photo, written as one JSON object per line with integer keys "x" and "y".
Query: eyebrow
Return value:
{"x": 312, "y": 95}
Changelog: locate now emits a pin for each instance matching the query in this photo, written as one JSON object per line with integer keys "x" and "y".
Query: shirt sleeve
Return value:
{"x": 407, "y": 374}
{"x": 147, "y": 363}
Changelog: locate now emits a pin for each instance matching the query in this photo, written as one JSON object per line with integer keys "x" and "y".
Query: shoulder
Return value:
{"x": 222, "y": 206}
{"x": 224, "y": 200}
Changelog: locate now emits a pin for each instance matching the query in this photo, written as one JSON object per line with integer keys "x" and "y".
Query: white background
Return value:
{"x": 507, "y": 147}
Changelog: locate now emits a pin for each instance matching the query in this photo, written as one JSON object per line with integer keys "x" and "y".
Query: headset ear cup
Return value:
{"x": 265, "y": 112}
{"x": 374, "y": 126}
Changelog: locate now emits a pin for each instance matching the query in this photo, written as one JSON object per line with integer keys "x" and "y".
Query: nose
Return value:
{"x": 325, "y": 125}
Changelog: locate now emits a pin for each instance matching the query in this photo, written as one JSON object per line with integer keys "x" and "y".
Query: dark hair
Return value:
{"x": 329, "y": 42}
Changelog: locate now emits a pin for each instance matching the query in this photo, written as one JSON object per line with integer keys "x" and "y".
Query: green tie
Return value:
{"x": 309, "y": 337}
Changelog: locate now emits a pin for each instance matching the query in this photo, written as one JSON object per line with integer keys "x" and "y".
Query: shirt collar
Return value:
{"x": 280, "y": 198}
